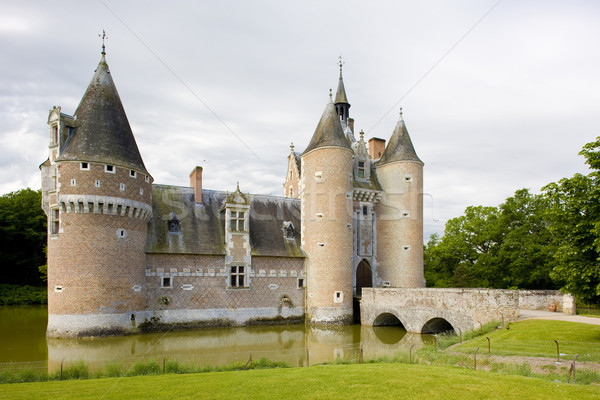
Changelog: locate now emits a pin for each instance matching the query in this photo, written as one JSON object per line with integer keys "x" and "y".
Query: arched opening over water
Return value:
{"x": 437, "y": 325}
{"x": 387, "y": 319}
{"x": 364, "y": 276}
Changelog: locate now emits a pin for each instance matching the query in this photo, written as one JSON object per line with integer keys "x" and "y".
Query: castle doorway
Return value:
{"x": 364, "y": 276}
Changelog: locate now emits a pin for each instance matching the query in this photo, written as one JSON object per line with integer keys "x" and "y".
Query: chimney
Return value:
{"x": 351, "y": 124}
{"x": 196, "y": 183}
{"x": 376, "y": 148}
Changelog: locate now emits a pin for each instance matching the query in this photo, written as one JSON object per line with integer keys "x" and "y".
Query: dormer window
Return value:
{"x": 361, "y": 169}
{"x": 174, "y": 224}
{"x": 236, "y": 222}
{"x": 55, "y": 134}
{"x": 288, "y": 230}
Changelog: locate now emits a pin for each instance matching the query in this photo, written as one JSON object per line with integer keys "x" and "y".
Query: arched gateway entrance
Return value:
{"x": 364, "y": 276}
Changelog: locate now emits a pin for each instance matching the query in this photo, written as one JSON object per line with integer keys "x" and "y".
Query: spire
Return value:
{"x": 329, "y": 131}
{"x": 340, "y": 95}
{"x": 102, "y": 133}
{"x": 400, "y": 147}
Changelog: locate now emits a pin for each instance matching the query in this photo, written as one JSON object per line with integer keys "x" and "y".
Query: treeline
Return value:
{"x": 531, "y": 241}
{"x": 22, "y": 238}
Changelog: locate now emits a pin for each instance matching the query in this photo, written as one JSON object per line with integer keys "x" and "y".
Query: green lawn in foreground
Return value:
{"x": 535, "y": 338}
{"x": 377, "y": 381}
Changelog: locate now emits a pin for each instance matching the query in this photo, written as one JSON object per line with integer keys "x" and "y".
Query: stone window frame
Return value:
{"x": 132, "y": 173}
{"x": 169, "y": 280}
{"x": 98, "y": 183}
{"x": 238, "y": 274}
{"x": 54, "y": 220}
{"x": 84, "y": 166}
{"x": 237, "y": 217}
{"x": 73, "y": 182}
{"x": 110, "y": 169}
{"x": 301, "y": 283}
{"x": 122, "y": 187}
{"x": 361, "y": 170}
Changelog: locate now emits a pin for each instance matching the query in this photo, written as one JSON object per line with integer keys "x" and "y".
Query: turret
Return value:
{"x": 400, "y": 212}
{"x": 326, "y": 213}
{"x": 97, "y": 195}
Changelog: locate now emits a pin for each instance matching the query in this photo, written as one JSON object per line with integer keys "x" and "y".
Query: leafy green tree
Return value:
{"x": 22, "y": 237}
{"x": 575, "y": 223}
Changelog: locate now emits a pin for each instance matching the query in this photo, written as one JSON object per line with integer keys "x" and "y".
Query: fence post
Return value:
{"x": 436, "y": 342}
{"x": 557, "y": 351}
{"x": 410, "y": 354}
{"x": 61, "y": 368}
{"x": 164, "y": 364}
{"x": 475, "y": 359}
{"x": 502, "y": 317}
{"x": 572, "y": 370}
{"x": 460, "y": 334}
{"x": 489, "y": 346}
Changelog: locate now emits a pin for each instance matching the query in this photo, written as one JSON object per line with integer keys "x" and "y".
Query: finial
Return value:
{"x": 103, "y": 36}
{"x": 340, "y": 63}
{"x": 330, "y": 95}
{"x": 238, "y": 186}
{"x": 362, "y": 135}
{"x": 401, "y": 118}
{"x": 292, "y": 147}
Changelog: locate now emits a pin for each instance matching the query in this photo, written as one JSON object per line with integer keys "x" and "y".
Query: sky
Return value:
{"x": 496, "y": 95}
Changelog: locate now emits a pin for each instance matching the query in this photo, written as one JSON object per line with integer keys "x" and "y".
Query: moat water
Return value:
{"x": 23, "y": 340}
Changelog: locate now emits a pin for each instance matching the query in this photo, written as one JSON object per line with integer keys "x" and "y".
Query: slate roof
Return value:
{"x": 202, "y": 225}
{"x": 102, "y": 131}
{"x": 400, "y": 147}
{"x": 329, "y": 131}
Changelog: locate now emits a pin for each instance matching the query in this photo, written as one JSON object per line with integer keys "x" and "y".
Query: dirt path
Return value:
{"x": 534, "y": 314}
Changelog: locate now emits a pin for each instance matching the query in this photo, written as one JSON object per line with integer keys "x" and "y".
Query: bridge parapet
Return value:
{"x": 420, "y": 308}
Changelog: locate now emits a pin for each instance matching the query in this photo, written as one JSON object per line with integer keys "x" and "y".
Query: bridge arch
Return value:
{"x": 437, "y": 325}
{"x": 389, "y": 317}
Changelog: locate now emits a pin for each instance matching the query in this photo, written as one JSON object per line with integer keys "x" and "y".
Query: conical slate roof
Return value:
{"x": 329, "y": 132}
{"x": 102, "y": 132}
{"x": 340, "y": 94}
{"x": 400, "y": 147}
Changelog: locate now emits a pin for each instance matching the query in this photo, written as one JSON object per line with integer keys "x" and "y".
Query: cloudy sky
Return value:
{"x": 497, "y": 95}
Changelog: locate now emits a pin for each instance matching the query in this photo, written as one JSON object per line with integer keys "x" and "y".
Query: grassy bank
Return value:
{"x": 22, "y": 295}
{"x": 381, "y": 381}
{"x": 535, "y": 338}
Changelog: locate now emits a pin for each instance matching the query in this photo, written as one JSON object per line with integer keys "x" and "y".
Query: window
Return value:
{"x": 141, "y": 191}
{"x": 365, "y": 210}
{"x": 54, "y": 221}
{"x": 361, "y": 169}
{"x": 300, "y": 283}
{"x": 132, "y": 173}
{"x": 338, "y": 297}
{"x": 147, "y": 179}
{"x": 237, "y": 221}
{"x": 73, "y": 182}
{"x": 166, "y": 282}
{"x": 408, "y": 178}
{"x": 109, "y": 168}
{"x": 289, "y": 231}
{"x": 122, "y": 187}
{"x": 55, "y": 134}
{"x": 237, "y": 276}
{"x": 84, "y": 166}
{"x": 97, "y": 183}
{"x": 174, "y": 224}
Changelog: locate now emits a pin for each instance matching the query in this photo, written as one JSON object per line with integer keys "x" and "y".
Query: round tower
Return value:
{"x": 325, "y": 193}
{"x": 400, "y": 212}
{"x": 98, "y": 197}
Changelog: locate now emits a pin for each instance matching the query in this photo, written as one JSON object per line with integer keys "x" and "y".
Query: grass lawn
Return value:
{"x": 535, "y": 338}
{"x": 378, "y": 381}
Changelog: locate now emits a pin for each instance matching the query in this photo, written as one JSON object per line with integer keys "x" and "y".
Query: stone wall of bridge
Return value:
{"x": 420, "y": 309}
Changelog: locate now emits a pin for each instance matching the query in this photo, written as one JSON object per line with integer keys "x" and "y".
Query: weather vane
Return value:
{"x": 103, "y": 37}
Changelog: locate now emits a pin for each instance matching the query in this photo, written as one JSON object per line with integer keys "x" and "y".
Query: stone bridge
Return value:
{"x": 431, "y": 310}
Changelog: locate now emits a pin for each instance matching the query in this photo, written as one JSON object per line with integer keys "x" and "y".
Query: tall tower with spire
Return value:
{"x": 400, "y": 212}
{"x": 326, "y": 231}
{"x": 97, "y": 195}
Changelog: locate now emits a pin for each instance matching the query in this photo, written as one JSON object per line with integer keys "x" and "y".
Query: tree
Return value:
{"x": 574, "y": 215}
{"x": 22, "y": 237}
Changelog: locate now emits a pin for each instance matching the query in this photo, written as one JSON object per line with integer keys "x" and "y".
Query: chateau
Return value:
{"x": 125, "y": 254}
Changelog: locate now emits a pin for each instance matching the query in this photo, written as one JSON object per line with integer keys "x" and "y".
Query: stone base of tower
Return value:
{"x": 329, "y": 316}
{"x": 80, "y": 325}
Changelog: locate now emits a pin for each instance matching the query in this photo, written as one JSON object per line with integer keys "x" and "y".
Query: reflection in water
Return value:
{"x": 288, "y": 343}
